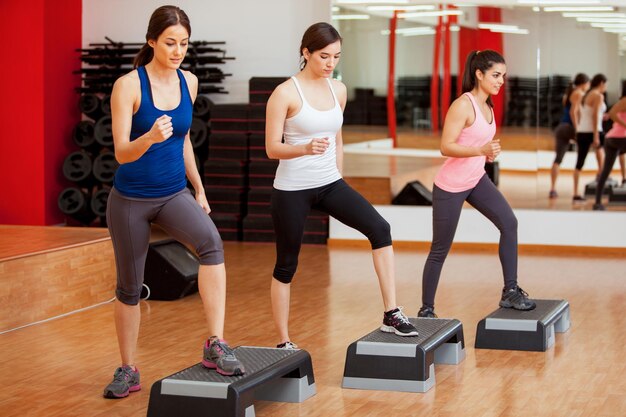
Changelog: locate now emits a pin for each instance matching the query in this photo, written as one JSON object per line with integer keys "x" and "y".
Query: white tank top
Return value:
{"x": 585, "y": 124}
{"x": 310, "y": 171}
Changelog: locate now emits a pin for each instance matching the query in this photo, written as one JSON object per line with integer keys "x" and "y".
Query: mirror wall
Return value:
{"x": 544, "y": 54}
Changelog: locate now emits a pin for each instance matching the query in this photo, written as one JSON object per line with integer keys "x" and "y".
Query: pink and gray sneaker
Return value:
{"x": 125, "y": 381}
{"x": 219, "y": 356}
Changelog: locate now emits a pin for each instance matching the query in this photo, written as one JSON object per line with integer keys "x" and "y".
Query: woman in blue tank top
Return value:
{"x": 151, "y": 110}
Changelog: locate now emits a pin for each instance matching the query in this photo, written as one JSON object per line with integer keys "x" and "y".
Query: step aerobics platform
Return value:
{"x": 510, "y": 329}
{"x": 271, "y": 375}
{"x": 387, "y": 362}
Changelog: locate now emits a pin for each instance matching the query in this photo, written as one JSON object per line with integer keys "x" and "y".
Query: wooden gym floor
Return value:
{"x": 59, "y": 368}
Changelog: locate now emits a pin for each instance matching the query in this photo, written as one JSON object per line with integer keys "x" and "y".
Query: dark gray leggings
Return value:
{"x": 562, "y": 135}
{"x": 485, "y": 198}
{"x": 612, "y": 148}
{"x": 129, "y": 225}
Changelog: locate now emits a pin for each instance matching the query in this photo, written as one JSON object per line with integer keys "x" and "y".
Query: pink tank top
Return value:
{"x": 461, "y": 174}
{"x": 617, "y": 131}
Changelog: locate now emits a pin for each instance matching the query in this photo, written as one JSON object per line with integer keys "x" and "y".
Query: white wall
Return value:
{"x": 535, "y": 227}
{"x": 264, "y": 36}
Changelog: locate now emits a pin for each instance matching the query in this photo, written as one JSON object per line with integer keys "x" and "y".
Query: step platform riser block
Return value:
{"x": 534, "y": 330}
{"x": 384, "y": 361}
{"x": 271, "y": 375}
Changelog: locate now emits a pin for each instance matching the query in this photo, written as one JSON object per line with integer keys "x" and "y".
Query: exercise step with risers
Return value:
{"x": 387, "y": 362}
{"x": 533, "y": 330}
{"x": 284, "y": 375}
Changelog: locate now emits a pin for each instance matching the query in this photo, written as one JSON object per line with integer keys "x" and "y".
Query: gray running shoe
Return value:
{"x": 125, "y": 381}
{"x": 219, "y": 356}
{"x": 287, "y": 345}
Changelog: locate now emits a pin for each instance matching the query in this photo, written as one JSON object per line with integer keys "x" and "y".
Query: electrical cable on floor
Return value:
{"x": 58, "y": 317}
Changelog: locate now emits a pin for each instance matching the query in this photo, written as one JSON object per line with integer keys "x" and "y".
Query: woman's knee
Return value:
{"x": 128, "y": 296}
{"x": 379, "y": 233}
{"x": 285, "y": 271}
{"x": 211, "y": 250}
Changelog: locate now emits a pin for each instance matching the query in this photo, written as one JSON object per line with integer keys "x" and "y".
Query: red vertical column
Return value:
{"x": 434, "y": 85}
{"x": 468, "y": 41}
{"x": 491, "y": 40}
{"x": 391, "y": 98}
{"x": 446, "y": 88}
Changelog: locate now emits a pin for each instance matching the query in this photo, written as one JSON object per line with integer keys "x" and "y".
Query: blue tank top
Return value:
{"x": 161, "y": 170}
{"x": 566, "y": 118}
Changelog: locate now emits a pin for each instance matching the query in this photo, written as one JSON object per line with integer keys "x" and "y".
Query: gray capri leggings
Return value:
{"x": 563, "y": 133}
{"x": 178, "y": 214}
{"x": 485, "y": 198}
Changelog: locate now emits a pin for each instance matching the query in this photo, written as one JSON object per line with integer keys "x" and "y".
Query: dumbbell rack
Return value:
{"x": 92, "y": 167}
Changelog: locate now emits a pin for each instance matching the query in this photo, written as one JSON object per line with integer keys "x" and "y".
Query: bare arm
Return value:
{"x": 275, "y": 115}
{"x": 124, "y": 94}
{"x": 191, "y": 169}
{"x": 342, "y": 96}
{"x": 617, "y": 108}
{"x": 574, "y": 110}
{"x": 459, "y": 115}
{"x": 596, "y": 102}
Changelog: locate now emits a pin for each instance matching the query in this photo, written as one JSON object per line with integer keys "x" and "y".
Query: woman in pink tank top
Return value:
{"x": 614, "y": 145}
{"x": 467, "y": 140}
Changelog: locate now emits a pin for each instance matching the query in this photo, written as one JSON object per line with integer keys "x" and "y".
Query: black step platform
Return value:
{"x": 510, "y": 329}
{"x": 387, "y": 362}
{"x": 271, "y": 375}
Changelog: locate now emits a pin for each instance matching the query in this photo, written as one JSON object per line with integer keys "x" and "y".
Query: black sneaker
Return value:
{"x": 287, "y": 345}
{"x": 578, "y": 199}
{"x": 427, "y": 312}
{"x": 395, "y": 321}
{"x": 599, "y": 207}
{"x": 125, "y": 381}
{"x": 517, "y": 299}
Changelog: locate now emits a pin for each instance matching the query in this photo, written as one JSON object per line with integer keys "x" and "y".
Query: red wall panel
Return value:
{"x": 37, "y": 105}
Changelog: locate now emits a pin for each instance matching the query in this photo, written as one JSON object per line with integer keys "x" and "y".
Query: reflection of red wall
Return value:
{"x": 471, "y": 39}
{"x": 37, "y": 106}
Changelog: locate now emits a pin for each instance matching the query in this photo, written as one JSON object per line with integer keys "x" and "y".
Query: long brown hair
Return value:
{"x": 479, "y": 60}
{"x": 316, "y": 37}
{"x": 161, "y": 19}
{"x": 580, "y": 79}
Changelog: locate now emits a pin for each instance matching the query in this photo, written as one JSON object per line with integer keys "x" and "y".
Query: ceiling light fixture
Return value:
{"x": 351, "y": 16}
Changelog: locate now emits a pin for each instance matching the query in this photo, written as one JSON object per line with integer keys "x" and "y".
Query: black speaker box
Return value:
{"x": 413, "y": 194}
{"x": 171, "y": 271}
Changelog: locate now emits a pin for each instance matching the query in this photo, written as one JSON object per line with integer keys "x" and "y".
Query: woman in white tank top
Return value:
{"x": 307, "y": 111}
{"x": 589, "y": 129}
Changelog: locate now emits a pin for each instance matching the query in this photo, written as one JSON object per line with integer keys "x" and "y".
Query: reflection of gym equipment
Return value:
{"x": 385, "y": 361}
{"x": 414, "y": 194}
{"x": 284, "y": 375}
{"x": 590, "y": 188}
{"x": 533, "y": 330}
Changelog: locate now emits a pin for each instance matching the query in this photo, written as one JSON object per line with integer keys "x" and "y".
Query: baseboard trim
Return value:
{"x": 524, "y": 249}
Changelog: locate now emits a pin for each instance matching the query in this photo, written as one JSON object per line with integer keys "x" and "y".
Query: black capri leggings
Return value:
{"x": 447, "y": 206}
{"x": 563, "y": 133}
{"x": 612, "y": 147}
{"x": 129, "y": 225}
{"x": 584, "y": 141}
{"x": 291, "y": 208}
